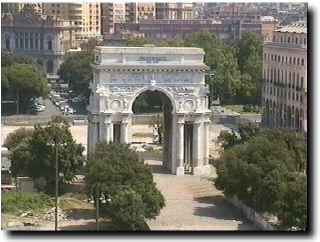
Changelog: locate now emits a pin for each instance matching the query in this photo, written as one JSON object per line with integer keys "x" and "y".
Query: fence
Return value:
{"x": 251, "y": 214}
{"x": 30, "y": 120}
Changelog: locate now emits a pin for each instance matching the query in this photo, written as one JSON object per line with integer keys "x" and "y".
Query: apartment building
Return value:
{"x": 284, "y": 87}
{"x": 171, "y": 11}
{"x": 85, "y": 16}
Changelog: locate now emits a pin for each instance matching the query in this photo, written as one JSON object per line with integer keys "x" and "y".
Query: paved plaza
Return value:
{"x": 193, "y": 203}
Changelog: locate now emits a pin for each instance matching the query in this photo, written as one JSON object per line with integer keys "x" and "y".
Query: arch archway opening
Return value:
{"x": 153, "y": 119}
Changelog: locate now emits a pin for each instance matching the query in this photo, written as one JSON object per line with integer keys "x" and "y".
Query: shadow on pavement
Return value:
{"x": 80, "y": 213}
{"x": 87, "y": 226}
{"x": 158, "y": 169}
{"x": 220, "y": 208}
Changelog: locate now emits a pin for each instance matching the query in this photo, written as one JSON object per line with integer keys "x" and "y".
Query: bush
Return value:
{"x": 15, "y": 202}
{"x": 128, "y": 182}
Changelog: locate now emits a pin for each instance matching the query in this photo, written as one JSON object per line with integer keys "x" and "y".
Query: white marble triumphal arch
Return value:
{"x": 121, "y": 74}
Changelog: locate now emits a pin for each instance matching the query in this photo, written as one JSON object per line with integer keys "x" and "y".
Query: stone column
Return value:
{"x": 124, "y": 133}
{"x": 173, "y": 156}
{"x": 107, "y": 129}
{"x": 101, "y": 128}
{"x": 125, "y": 129}
{"x": 89, "y": 137}
{"x": 92, "y": 132}
{"x": 197, "y": 148}
{"x": 206, "y": 144}
{"x": 95, "y": 137}
{"x": 180, "y": 147}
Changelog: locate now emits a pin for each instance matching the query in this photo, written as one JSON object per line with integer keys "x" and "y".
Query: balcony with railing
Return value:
{"x": 286, "y": 45}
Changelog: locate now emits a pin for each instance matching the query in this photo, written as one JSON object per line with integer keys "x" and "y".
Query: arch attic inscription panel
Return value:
{"x": 121, "y": 74}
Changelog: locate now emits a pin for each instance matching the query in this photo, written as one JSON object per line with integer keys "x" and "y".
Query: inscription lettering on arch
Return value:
{"x": 161, "y": 77}
{"x": 152, "y": 59}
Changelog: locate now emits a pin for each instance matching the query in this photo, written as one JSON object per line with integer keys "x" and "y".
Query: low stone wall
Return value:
{"x": 251, "y": 214}
{"x": 144, "y": 118}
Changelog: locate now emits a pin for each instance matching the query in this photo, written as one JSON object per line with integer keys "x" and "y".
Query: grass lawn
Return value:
{"x": 235, "y": 108}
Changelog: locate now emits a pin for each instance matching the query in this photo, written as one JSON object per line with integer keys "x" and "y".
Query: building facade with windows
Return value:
{"x": 28, "y": 33}
{"x": 186, "y": 11}
{"x": 284, "y": 88}
{"x": 112, "y": 13}
{"x": 85, "y": 16}
{"x": 14, "y": 8}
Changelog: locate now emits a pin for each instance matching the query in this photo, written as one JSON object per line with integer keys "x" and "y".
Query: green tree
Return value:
{"x": 138, "y": 41}
{"x": 26, "y": 82}
{"x": 227, "y": 139}
{"x": 127, "y": 209}
{"x": 248, "y": 52}
{"x": 292, "y": 205}
{"x": 76, "y": 70}
{"x": 13, "y": 139}
{"x": 34, "y": 156}
{"x": 122, "y": 176}
{"x": 221, "y": 61}
{"x": 90, "y": 45}
{"x": 260, "y": 170}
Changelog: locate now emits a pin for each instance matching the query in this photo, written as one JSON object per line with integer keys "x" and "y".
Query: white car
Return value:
{"x": 41, "y": 108}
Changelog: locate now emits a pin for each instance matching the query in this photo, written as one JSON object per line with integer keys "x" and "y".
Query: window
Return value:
{"x": 281, "y": 39}
{"x": 49, "y": 66}
{"x": 39, "y": 62}
{"x": 302, "y": 62}
{"x": 31, "y": 41}
{"x": 21, "y": 43}
{"x": 58, "y": 11}
{"x": 279, "y": 58}
{"x": 53, "y": 11}
{"x": 301, "y": 82}
{"x": 41, "y": 43}
{"x": 17, "y": 43}
{"x": 298, "y": 61}
{"x": 289, "y": 78}
{"x": 271, "y": 57}
{"x": 52, "y": 5}
{"x": 50, "y": 45}
{"x": 282, "y": 59}
{"x": 288, "y": 40}
{"x": 305, "y": 41}
{"x": 8, "y": 44}
{"x": 296, "y": 40}
{"x": 290, "y": 60}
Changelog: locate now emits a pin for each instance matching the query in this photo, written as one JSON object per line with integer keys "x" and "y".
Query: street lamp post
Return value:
{"x": 57, "y": 188}
{"x": 97, "y": 200}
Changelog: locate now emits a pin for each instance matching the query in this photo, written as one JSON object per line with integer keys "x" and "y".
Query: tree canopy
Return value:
{"x": 230, "y": 80}
{"x": 22, "y": 79}
{"x": 34, "y": 155}
{"x": 76, "y": 70}
{"x": 124, "y": 178}
{"x": 25, "y": 81}
{"x": 266, "y": 170}
{"x": 248, "y": 52}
